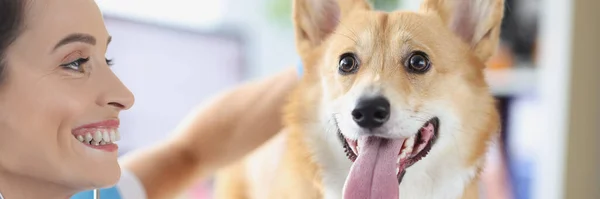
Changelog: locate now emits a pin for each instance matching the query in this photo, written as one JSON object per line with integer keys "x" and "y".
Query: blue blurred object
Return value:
{"x": 300, "y": 68}
{"x": 109, "y": 193}
{"x": 522, "y": 177}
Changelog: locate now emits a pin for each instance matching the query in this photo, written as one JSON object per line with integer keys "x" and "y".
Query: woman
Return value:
{"x": 60, "y": 103}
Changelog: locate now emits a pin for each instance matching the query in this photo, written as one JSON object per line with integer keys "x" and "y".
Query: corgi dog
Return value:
{"x": 390, "y": 105}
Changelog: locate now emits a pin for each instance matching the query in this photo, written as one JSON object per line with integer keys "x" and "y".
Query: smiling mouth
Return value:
{"x": 97, "y": 136}
{"x": 413, "y": 148}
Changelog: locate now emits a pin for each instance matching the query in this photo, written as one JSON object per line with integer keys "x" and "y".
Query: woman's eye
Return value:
{"x": 76, "y": 65}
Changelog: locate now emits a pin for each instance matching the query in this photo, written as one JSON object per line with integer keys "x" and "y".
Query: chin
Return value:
{"x": 97, "y": 170}
{"x": 104, "y": 177}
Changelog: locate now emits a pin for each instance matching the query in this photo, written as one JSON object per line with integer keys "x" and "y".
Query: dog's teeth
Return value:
{"x": 405, "y": 152}
{"x": 403, "y": 155}
{"x": 410, "y": 142}
{"x": 397, "y": 170}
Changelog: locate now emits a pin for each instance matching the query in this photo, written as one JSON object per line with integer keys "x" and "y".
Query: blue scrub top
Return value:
{"x": 109, "y": 193}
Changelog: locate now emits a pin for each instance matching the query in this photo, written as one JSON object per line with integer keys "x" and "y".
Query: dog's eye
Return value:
{"x": 418, "y": 62}
{"x": 348, "y": 64}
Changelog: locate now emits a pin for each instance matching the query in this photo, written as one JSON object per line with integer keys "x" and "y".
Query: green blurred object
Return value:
{"x": 385, "y": 5}
{"x": 279, "y": 12}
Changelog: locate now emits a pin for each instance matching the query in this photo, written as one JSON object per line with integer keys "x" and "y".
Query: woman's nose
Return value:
{"x": 115, "y": 93}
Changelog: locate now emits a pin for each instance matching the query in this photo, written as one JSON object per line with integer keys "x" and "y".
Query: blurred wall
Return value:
{"x": 270, "y": 47}
{"x": 570, "y": 93}
{"x": 170, "y": 71}
{"x": 174, "y": 55}
{"x": 582, "y": 179}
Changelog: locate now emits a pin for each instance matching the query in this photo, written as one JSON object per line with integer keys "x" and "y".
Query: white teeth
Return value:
{"x": 403, "y": 154}
{"x": 100, "y": 137}
{"x": 410, "y": 142}
{"x": 97, "y": 136}
{"x": 397, "y": 170}
{"x": 117, "y": 134}
{"x": 113, "y": 137}
{"x": 88, "y": 137}
{"x": 408, "y": 147}
{"x": 105, "y": 136}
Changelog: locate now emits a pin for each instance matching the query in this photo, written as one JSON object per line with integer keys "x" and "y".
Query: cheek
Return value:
{"x": 63, "y": 107}
{"x": 38, "y": 112}
{"x": 35, "y": 122}
{"x": 341, "y": 106}
{"x": 332, "y": 87}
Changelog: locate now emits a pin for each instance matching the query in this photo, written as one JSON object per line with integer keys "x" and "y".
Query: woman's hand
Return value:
{"x": 218, "y": 133}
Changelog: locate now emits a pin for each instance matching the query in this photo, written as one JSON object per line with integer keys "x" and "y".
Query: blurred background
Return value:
{"x": 175, "y": 54}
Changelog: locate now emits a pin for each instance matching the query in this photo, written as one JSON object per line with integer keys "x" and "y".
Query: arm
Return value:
{"x": 224, "y": 130}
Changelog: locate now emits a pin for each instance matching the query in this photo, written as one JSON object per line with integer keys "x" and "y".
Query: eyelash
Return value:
{"x": 109, "y": 62}
{"x": 77, "y": 64}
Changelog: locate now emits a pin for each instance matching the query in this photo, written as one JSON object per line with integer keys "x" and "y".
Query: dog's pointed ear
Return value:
{"x": 476, "y": 22}
{"x": 315, "y": 20}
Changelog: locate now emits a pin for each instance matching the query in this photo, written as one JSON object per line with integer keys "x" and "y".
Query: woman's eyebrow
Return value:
{"x": 76, "y": 37}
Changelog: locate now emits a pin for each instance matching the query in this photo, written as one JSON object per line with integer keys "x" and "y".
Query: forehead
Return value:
{"x": 375, "y": 34}
{"x": 368, "y": 27}
{"x": 50, "y": 20}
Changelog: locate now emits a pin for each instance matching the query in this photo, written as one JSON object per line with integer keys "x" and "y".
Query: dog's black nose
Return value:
{"x": 371, "y": 112}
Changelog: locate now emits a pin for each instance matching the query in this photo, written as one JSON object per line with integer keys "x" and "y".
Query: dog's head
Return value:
{"x": 401, "y": 86}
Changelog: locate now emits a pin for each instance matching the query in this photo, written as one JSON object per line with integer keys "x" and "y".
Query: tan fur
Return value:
{"x": 231, "y": 183}
{"x": 472, "y": 191}
{"x": 458, "y": 43}
{"x": 213, "y": 136}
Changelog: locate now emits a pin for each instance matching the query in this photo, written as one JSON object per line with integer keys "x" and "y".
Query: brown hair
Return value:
{"x": 12, "y": 15}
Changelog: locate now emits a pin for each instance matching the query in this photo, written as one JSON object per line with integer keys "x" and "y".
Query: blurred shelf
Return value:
{"x": 520, "y": 79}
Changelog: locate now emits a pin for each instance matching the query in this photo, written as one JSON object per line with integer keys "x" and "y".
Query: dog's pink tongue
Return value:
{"x": 373, "y": 174}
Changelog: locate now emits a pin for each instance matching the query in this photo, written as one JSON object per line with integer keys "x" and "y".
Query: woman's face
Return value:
{"x": 60, "y": 101}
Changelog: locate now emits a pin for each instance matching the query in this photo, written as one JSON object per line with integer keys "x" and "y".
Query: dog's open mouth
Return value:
{"x": 380, "y": 163}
